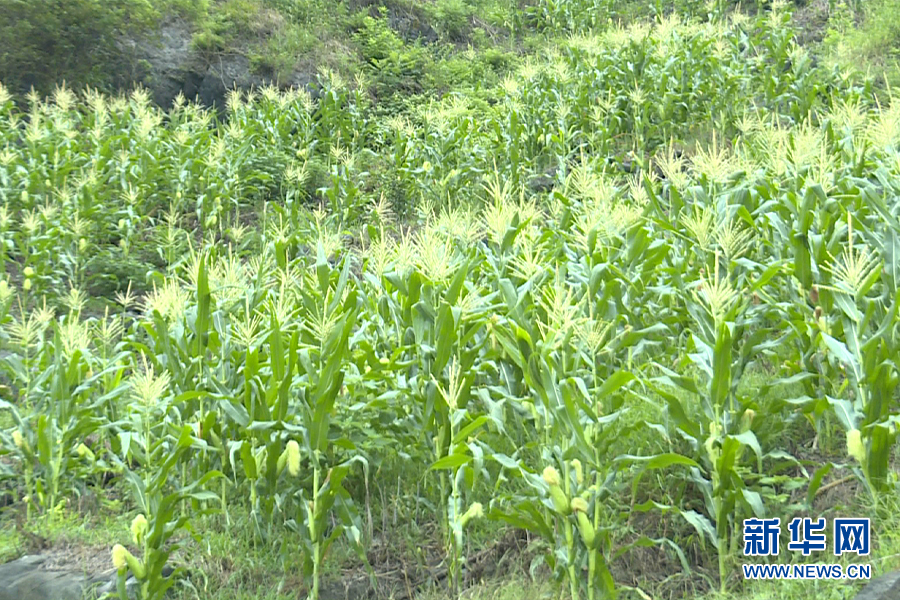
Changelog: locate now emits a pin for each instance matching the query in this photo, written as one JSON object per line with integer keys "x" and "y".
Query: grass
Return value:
{"x": 228, "y": 565}
{"x": 865, "y": 38}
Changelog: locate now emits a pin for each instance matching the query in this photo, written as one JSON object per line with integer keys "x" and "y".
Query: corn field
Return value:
{"x": 684, "y": 235}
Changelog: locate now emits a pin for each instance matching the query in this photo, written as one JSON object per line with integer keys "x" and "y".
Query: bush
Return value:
{"x": 377, "y": 40}
{"x": 875, "y": 42}
{"x": 43, "y": 42}
{"x": 879, "y": 35}
{"x": 451, "y": 18}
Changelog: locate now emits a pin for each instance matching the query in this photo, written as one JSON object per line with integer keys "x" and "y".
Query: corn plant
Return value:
{"x": 67, "y": 413}
{"x": 464, "y": 459}
{"x": 866, "y": 357}
{"x": 159, "y": 519}
{"x": 494, "y": 330}
{"x": 319, "y": 371}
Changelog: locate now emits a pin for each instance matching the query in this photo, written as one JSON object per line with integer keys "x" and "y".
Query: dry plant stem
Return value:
{"x": 834, "y": 484}
{"x": 570, "y": 543}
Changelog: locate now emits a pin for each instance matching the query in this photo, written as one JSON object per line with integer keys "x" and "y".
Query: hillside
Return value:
{"x": 403, "y": 47}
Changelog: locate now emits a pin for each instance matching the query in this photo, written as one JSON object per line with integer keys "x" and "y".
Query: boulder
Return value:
{"x": 46, "y": 577}
{"x": 169, "y": 65}
{"x": 886, "y": 587}
{"x": 26, "y": 578}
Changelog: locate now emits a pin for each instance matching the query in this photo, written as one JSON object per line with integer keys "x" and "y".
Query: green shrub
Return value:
{"x": 451, "y": 19}
{"x": 377, "y": 40}
{"x": 279, "y": 53}
{"x": 47, "y": 41}
{"x": 875, "y": 42}
{"x": 879, "y": 35}
{"x": 207, "y": 40}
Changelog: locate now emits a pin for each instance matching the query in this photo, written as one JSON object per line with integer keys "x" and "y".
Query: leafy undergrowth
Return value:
{"x": 226, "y": 563}
{"x": 856, "y": 36}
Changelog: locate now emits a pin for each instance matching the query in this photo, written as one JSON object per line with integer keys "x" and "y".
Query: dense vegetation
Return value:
{"x": 642, "y": 288}
{"x": 404, "y": 47}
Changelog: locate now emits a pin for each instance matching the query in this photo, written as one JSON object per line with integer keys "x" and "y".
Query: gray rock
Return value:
{"x": 26, "y": 579}
{"x": 227, "y": 73}
{"x": 541, "y": 183}
{"x": 886, "y": 587}
{"x": 35, "y": 578}
{"x": 110, "y": 585}
{"x": 171, "y": 65}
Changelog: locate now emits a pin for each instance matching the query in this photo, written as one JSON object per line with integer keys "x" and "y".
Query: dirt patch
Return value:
{"x": 65, "y": 555}
{"x": 811, "y": 22}
{"x": 398, "y": 578}
{"x": 655, "y": 569}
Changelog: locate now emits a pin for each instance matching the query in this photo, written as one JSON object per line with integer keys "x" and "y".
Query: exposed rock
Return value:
{"x": 886, "y": 587}
{"x": 110, "y": 587}
{"x": 168, "y": 65}
{"x": 26, "y": 578}
{"x": 542, "y": 183}
{"x": 225, "y": 73}
{"x": 46, "y": 577}
{"x": 410, "y": 21}
{"x": 412, "y": 27}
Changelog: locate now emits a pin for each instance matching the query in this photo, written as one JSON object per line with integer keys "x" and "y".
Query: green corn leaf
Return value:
{"x": 614, "y": 383}
{"x": 815, "y": 483}
{"x": 891, "y": 250}
{"x": 878, "y": 455}
{"x": 703, "y": 526}
{"x": 754, "y": 500}
{"x": 464, "y": 433}
{"x": 236, "y": 412}
{"x": 650, "y": 463}
{"x": 748, "y": 438}
{"x": 140, "y": 490}
{"x": 204, "y": 299}
{"x": 845, "y": 411}
{"x": 44, "y": 440}
{"x": 657, "y": 461}
{"x": 445, "y": 332}
{"x": 527, "y": 516}
{"x": 848, "y": 306}
{"x": 456, "y": 284}
{"x": 452, "y": 461}
{"x": 281, "y": 407}
{"x": 802, "y": 264}
{"x": 341, "y": 286}
{"x": 509, "y": 237}
{"x": 720, "y": 386}
{"x": 840, "y": 351}
{"x": 276, "y": 346}
{"x": 323, "y": 269}
{"x": 248, "y": 461}
{"x": 771, "y": 271}
{"x": 679, "y": 417}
